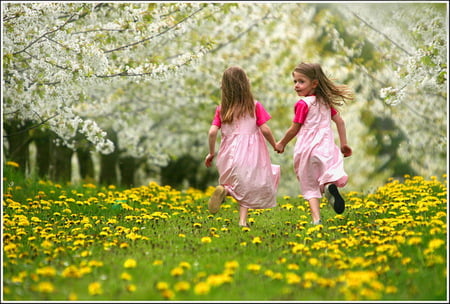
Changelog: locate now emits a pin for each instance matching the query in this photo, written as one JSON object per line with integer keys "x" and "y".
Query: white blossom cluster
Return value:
{"x": 413, "y": 39}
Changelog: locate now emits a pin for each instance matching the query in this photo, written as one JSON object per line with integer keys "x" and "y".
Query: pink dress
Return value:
{"x": 243, "y": 161}
{"x": 317, "y": 158}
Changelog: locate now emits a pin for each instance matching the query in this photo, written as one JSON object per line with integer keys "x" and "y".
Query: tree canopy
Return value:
{"x": 150, "y": 73}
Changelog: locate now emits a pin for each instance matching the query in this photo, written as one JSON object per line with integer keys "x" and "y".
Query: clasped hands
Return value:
{"x": 279, "y": 148}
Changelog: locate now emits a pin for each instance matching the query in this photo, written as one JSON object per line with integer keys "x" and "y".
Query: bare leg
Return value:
{"x": 314, "y": 205}
{"x": 243, "y": 216}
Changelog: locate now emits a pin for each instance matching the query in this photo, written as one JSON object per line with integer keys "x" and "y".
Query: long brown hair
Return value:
{"x": 237, "y": 98}
{"x": 329, "y": 92}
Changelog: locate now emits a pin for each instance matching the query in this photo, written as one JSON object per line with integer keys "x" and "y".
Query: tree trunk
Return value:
{"x": 127, "y": 167}
{"x": 43, "y": 144}
{"x": 60, "y": 162}
{"x": 18, "y": 140}
{"x": 86, "y": 164}
{"x": 108, "y": 163}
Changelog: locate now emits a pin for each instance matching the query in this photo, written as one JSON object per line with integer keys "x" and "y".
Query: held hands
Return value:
{"x": 208, "y": 160}
{"x": 279, "y": 147}
{"x": 346, "y": 150}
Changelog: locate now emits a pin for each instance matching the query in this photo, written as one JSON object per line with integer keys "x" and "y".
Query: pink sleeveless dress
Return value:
{"x": 243, "y": 161}
{"x": 317, "y": 158}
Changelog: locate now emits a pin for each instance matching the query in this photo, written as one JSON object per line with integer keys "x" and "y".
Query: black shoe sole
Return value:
{"x": 339, "y": 204}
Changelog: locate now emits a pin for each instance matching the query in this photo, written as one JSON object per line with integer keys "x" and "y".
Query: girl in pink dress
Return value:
{"x": 318, "y": 161}
{"x": 243, "y": 161}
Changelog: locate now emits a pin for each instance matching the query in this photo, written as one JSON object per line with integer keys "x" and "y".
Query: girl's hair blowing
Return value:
{"x": 237, "y": 98}
{"x": 329, "y": 92}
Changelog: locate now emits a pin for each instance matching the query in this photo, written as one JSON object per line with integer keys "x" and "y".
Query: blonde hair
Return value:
{"x": 328, "y": 92}
{"x": 237, "y": 98}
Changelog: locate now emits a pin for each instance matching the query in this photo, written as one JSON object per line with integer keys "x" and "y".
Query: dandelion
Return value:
{"x": 182, "y": 286}
{"x": 202, "y": 288}
{"x": 157, "y": 262}
{"x": 292, "y": 278}
{"x": 435, "y": 244}
{"x": 231, "y": 264}
{"x": 72, "y": 296}
{"x": 45, "y": 287}
{"x": 206, "y": 240}
{"x": 293, "y": 267}
{"x": 177, "y": 271}
{"x": 162, "y": 285}
{"x": 130, "y": 263}
{"x": 185, "y": 265}
{"x": 254, "y": 267}
{"x": 12, "y": 164}
{"x": 125, "y": 276}
{"x": 46, "y": 271}
{"x": 131, "y": 288}
{"x": 95, "y": 288}
{"x": 71, "y": 272}
{"x": 256, "y": 240}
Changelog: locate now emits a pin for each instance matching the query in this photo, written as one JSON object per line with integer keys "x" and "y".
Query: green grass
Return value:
{"x": 58, "y": 240}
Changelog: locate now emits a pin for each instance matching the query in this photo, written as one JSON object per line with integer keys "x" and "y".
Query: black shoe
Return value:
{"x": 334, "y": 198}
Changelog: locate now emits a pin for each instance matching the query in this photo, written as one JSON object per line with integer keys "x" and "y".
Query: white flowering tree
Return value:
{"x": 149, "y": 74}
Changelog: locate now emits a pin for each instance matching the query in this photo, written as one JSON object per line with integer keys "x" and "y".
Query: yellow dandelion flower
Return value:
{"x": 45, "y": 287}
{"x": 71, "y": 272}
{"x": 162, "y": 285}
{"x": 157, "y": 262}
{"x": 177, "y": 271}
{"x": 435, "y": 243}
{"x": 182, "y": 286}
{"x": 12, "y": 164}
{"x": 125, "y": 276}
{"x": 231, "y": 264}
{"x": 95, "y": 288}
{"x": 47, "y": 271}
{"x": 256, "y": 240}
{"x": 309, "y": 275}
{"x": 185, "y": 265}
{"x": 292, "y": 278}
{"x": 130, "y": 263}
{"x": 293, "y": 267}
{"x": 254, "y": 267}
{"x": 72, "y": 297}
{"x": 131, "y": 288}
{"x": 202, "y": 288}
{"x": 206, "y": 240}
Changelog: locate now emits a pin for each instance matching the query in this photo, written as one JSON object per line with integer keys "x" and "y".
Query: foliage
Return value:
{"x": 157, "y": 243}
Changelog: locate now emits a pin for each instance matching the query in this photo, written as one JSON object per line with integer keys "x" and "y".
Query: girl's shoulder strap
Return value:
{"x": 309, "y": 99}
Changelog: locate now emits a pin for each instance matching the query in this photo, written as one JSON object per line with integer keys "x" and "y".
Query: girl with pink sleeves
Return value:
{"x": 243, "y": 161}
{"x": 318, "y": 161}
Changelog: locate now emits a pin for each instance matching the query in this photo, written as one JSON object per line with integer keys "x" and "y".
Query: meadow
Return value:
{"x": 155, "y": 243}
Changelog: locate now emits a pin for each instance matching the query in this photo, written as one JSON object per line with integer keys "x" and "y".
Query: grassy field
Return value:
{"x": 155, "y": 243}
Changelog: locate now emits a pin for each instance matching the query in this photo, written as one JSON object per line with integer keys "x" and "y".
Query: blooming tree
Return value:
{"x": 150, "y": 72}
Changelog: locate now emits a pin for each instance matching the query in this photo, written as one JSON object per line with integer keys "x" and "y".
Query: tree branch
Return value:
{"x": 382, "y": 34}
{"x": 154, "y": 36}
{"x": 43, "y": 121}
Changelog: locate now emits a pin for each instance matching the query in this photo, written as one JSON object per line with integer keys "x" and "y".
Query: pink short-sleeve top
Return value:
{"x": 262, "y": 116}
{"x": 301, "y": 110}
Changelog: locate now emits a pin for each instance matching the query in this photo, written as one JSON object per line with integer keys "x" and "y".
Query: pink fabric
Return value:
{"x": 301, "y": 110}
{"x": 243, "y": 162}
{"x": 317, "y": 158}
{"x": 262, "y": 116}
